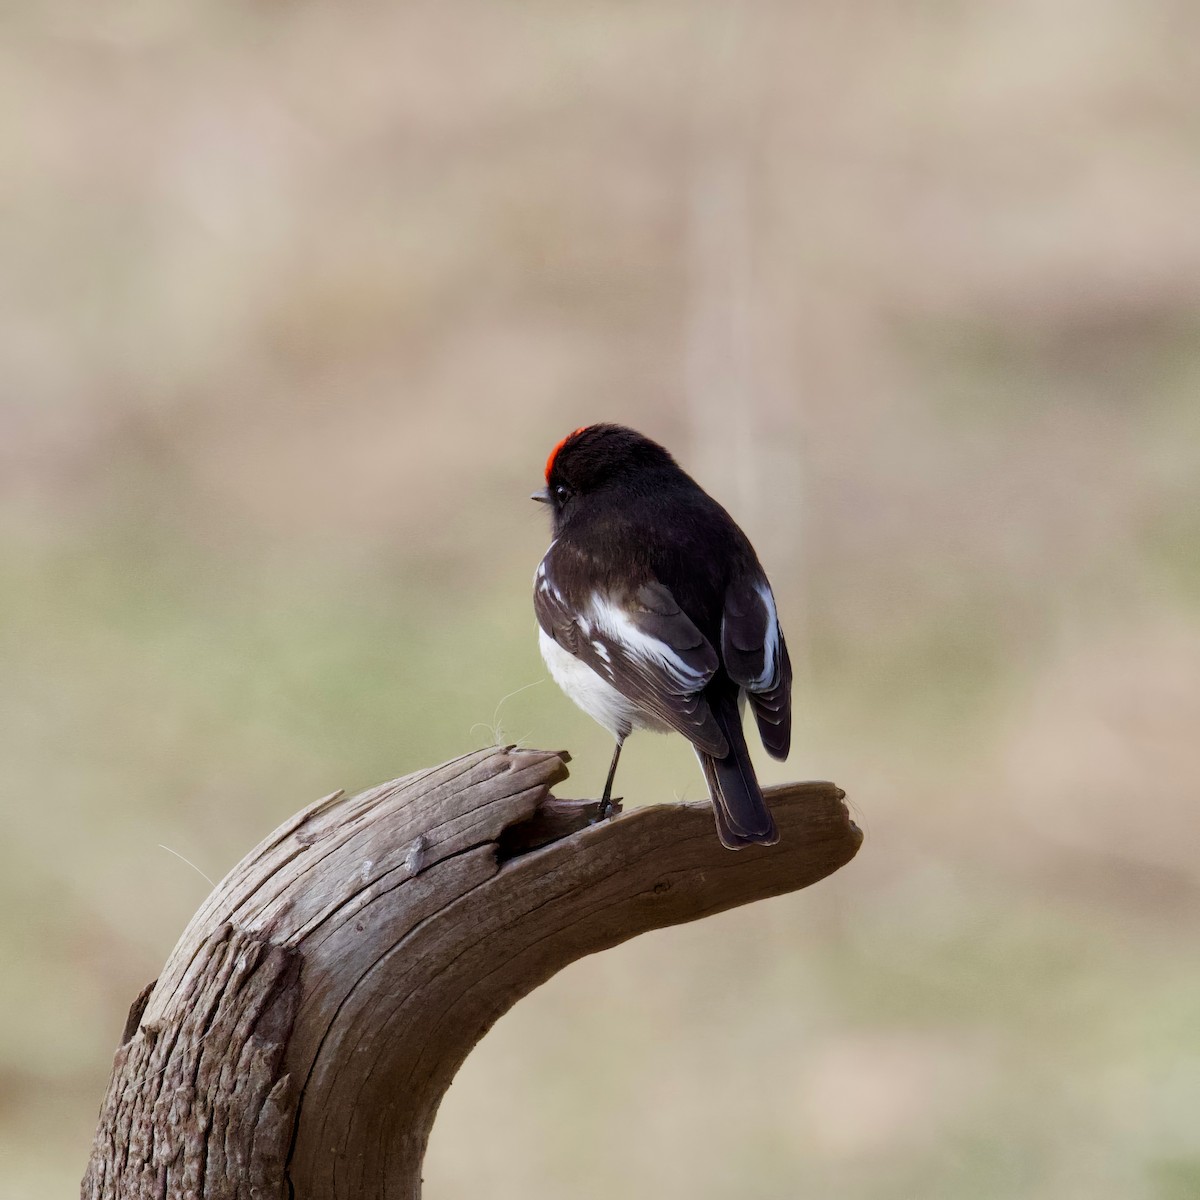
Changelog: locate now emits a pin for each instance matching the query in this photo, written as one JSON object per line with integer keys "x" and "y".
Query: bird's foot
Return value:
{"x": 610, "y": 806}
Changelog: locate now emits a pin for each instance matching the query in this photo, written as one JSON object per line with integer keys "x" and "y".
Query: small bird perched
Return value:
{"x": 656, "y": 614}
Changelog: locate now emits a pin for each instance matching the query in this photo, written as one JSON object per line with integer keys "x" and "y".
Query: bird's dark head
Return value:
{"x": 592, "y": 458}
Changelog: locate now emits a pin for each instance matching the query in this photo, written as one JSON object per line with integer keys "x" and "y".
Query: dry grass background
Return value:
{"x": 293, "y": 301}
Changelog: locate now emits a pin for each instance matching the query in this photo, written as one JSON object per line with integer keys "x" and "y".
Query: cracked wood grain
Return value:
{"x": 316, "y": 1008}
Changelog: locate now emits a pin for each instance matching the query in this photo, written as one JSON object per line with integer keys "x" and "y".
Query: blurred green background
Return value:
{"x": 294, "y": 300}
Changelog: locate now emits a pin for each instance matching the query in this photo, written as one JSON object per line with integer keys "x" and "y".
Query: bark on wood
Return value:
{"x": 314, "y": 1012}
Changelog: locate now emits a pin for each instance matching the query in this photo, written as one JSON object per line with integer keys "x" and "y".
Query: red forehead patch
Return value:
{"x": 554, "y": 452}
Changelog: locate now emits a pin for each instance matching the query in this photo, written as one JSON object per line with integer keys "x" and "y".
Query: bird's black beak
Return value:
{"x": 542, "y": 496}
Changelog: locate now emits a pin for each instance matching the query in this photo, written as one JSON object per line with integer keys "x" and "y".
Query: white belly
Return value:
{"x": 597, "y": 697}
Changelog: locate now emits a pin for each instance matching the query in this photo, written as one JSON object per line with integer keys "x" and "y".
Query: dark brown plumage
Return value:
{"x": 655, "y": 613}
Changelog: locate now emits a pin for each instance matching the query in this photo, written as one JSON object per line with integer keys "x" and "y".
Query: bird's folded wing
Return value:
{"x": 756, "y": 657}
{"x": 645, "y": 646}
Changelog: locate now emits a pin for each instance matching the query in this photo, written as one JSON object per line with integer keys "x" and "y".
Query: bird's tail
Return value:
{"x": 743, "y": 818}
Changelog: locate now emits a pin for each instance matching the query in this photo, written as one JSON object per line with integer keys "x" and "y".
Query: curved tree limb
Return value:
{"x": 316, "y": 1008}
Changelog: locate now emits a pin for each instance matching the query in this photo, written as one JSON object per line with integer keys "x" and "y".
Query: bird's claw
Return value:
{"x": 607, "y": 808}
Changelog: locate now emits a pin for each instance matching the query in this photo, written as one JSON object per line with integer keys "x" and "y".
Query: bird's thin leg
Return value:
{"x": 606, "y": 799}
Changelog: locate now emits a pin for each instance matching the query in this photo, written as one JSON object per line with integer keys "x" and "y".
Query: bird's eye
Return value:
{"x": 561, "y": 492}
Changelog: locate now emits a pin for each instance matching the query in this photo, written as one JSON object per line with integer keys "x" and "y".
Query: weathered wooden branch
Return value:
{"x": 314, "y": 1012}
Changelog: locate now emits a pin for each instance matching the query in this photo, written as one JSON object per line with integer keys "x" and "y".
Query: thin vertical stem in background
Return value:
{"x": 719, "y": 351}
{"x": 742, "y": 399}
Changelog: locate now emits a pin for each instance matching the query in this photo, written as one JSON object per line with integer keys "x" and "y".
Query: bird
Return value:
{"x": 654, "y": 612}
